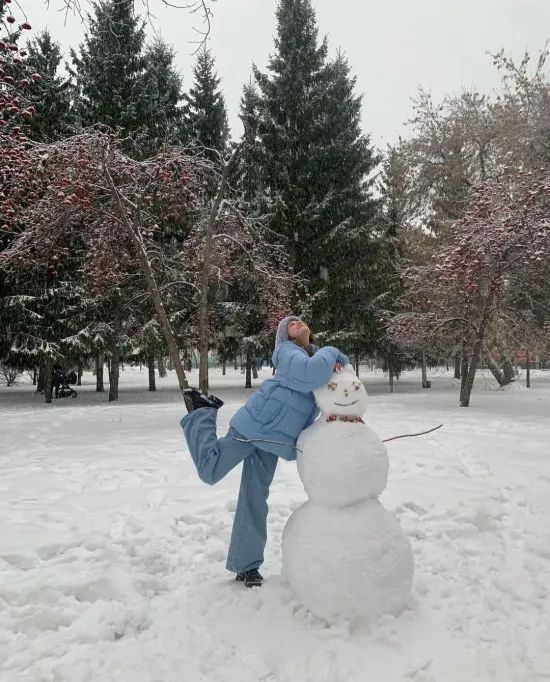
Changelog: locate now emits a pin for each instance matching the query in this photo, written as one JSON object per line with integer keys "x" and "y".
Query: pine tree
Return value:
{"x": 247, "y": 176}
{"x": 205, "y": 109}
{"x": 315, "y": 162}
{"x": 50, "y": 96}
{"x": 109, "y": 70}
{"x": 289, "y": 128}
{"x": 163, "y": 112}
{"x": 345, "y": 253}
{"x": 396, "y": 215}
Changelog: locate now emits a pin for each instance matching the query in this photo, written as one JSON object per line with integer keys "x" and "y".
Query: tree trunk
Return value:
{"x": 223, "y": 368}
{"x": 114, "y": 376}
{"x": 151, "y": 368}
{"x": 235, "y": 364}
{"x": 468, "y": 381}
{"x": 79, "y": 374}
{"x": 464, "y": 363}
{"x": 161, "y": 366}
{"x": 248, "y": 378}
{"x": 99, "y": 364}
{"x": 357, "y": 364}
{"x": 114, "y": 365}
{"x": 495, "y": 369}
{"x": 147, "y": 270}
{"x": 40, "y": 383}
{"x": 255, "y": 369}
{"x": 527, "y": 370}
{"x": 508, "y": 372}
{"x": 425, "y": 382}
{"x": 34, "y": 376}
{"x": 203, "y": 368}
{"x": 48, "y": 365}
{"x": 458, "y": 362}
{"x": 390, "y": 372}
{"x": 504, "y": 375}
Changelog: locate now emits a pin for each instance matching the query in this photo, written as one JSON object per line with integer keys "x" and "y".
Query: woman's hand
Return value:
{"x": 339, "y": 367}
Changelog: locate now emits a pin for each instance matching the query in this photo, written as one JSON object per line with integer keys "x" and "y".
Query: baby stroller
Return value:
{"x": 60, "y": 385}
{"x": 65, "y": 391}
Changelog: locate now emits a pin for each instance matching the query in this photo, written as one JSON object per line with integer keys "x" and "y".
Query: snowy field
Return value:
{"x": 112, "y": 551}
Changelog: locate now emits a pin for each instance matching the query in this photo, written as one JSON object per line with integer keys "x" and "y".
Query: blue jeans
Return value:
{"x": 214, "y": 457}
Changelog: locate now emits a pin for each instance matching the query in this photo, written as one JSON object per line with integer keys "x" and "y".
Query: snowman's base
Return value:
{"x": 353, "y": 562}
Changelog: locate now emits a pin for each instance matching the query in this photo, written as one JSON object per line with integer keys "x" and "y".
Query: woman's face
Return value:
{"x": 298, "y": 331}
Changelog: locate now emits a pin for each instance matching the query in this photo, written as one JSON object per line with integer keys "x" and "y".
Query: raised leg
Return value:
{"x": 214, "y": 457}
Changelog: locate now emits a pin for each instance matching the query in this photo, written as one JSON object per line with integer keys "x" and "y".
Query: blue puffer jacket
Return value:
{"x": 283, "y": 406}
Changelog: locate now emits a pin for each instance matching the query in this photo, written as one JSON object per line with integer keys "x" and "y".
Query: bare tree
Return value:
{"x": 500, "y": 246}
{"x": 201, "y": 10}
{"x": 8, "y": 374}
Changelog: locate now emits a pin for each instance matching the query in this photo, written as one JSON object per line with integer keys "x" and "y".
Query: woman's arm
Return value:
{"x": 305, "y": 374}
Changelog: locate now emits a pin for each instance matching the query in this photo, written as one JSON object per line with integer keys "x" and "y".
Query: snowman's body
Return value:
{"x": 343, "y": 553}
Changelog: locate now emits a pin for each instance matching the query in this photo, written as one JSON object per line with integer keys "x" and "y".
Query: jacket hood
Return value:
{"x": 282, "y": 329}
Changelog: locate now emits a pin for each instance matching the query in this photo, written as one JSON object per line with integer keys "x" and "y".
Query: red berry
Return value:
{"x": 36, "y": 77}
{"x": 26, "y": 26}
{"x": 10, "y": 19}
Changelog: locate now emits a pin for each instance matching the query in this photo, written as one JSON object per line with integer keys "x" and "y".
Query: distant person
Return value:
{"x": 57, "y": 379}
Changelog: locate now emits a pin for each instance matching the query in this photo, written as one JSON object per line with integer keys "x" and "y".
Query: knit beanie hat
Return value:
{"x": 282, "y": 329}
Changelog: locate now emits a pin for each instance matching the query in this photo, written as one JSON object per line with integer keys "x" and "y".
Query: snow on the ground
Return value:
{"x": 112, "y": 551}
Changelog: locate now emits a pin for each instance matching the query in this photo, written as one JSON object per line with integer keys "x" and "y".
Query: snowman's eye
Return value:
{"x": 356, "y": 386}
{"x": 332, "y": 385}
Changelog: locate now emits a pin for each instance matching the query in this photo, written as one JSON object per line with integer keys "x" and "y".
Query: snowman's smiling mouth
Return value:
{"x": 346, "y": 404}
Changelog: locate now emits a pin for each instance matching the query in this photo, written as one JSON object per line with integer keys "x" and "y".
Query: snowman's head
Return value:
{"x": 343, "y": 395}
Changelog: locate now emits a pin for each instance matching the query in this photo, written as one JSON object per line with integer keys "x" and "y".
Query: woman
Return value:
{"x": 265, "y": 428}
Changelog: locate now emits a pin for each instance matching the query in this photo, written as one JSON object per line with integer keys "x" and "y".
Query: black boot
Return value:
{"x": 194, "y": 400}
{"x": 251, "y": 578}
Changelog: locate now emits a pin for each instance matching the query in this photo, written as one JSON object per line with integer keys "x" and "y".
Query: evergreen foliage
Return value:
{"x": 315, "y": 167}
{"x": 163, "y": 97}
{"x": 247, "y": 175}
{"x": 109, "y": 68}
{"x": 121, "y": 83}
{"x": 206, "y": 114}
{"x": 51, "y": 95}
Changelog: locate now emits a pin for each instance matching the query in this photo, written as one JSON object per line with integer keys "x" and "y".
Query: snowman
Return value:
{"x": 344, "y": 555}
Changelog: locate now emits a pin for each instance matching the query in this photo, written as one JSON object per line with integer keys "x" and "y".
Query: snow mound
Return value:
{"x": 513, "y": 387}
{"x": 359, "y": 562}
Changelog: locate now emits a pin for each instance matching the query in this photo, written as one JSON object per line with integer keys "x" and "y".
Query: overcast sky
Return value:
{"x": 393, "y": 45}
